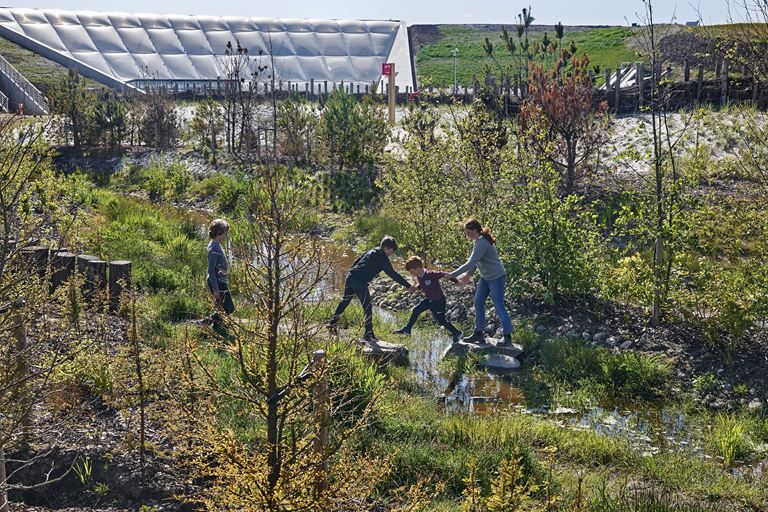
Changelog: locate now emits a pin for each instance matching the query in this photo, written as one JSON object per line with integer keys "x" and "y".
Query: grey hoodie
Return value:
{"x": 217, "y": 265}
{"x": 484, "y": 258}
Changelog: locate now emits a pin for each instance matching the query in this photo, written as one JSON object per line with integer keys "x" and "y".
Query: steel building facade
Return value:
{"x": 123, "y": 49}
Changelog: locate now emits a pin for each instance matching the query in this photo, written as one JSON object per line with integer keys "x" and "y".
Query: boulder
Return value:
{"x": 383, "y": 352}
{"x": 499, "y": 363}
{"x": 492, "y": 347}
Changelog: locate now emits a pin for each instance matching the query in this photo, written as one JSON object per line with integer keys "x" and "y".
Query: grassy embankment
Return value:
{"x": 606, "y": 47}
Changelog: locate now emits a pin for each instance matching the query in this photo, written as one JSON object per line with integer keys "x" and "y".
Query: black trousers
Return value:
{"x": 437, "y": 307}
{"x": 354, "y": 288}
{"x": 225, "y": 301}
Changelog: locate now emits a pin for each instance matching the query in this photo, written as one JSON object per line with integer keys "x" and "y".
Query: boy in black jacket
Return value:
{"x": 363, "y": 270}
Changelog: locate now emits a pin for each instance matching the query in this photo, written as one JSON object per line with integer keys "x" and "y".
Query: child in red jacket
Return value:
{"x": 429, "y": 284}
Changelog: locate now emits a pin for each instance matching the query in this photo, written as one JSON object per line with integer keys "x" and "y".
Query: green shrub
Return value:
{"x": 729, "y": 439}
{"x": 706, "y": 383}
{"x": 154, "y": 277}
{"x": 627, "y": 374}
{"x": 230, "y": 192}
{"x": 89, "y": 367}
{"x": 179, "y": 306}
{"x": 374, "y": 227}
{"x": 549, "y": 244}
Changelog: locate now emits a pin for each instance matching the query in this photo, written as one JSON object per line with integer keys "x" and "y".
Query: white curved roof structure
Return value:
{"x": 120, "y": 48}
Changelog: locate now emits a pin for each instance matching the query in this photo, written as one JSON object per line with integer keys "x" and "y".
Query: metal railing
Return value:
{"x": 3, "y": 102}
{"x": 25, "y": 86}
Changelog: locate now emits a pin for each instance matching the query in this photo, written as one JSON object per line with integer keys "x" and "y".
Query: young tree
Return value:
{"x": 354, "y": 135}
{"x": 110, "y": 115}
{"x": 242, "y": 73}
{"x": 283, "y": 463}
{"x": 158, "y": 122}
{"x": 297, "y": 121}
{"x": 477, "y": 162}
{"x": 74, "y": 103}
{"x": 30, "y": 208}
{"x": 573, "y": 129}
{"x": 206, "y": 126}
{"x": 414, "y": 187}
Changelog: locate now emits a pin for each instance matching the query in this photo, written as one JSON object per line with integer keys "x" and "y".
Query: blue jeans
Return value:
{"x": 494, "y": 288}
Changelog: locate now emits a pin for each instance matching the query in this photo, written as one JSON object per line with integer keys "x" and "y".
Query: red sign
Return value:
{"x": 386, "y": 69}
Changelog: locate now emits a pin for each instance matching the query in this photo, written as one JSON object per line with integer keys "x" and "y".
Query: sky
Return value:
{"x": 570, "y": 12}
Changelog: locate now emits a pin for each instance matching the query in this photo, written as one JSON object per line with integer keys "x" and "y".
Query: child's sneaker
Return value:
{"x": 457, "y": 336}
{"x": 403, "y": 331}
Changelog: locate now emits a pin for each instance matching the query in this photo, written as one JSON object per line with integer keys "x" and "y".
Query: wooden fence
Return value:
{"x": 99, "y": 278}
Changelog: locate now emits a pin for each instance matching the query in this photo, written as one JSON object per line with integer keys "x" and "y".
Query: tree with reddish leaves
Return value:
{"x": 561, "y": 101}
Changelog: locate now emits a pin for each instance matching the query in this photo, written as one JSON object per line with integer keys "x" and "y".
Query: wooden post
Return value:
{"x": 686, "y": 70}
{"x": 640, "y": 81}
{"x": 82, "y": 271}
{"x": 700, "y": 82}
{"x": 392, "y": 92}
{"x": 312, "y": 87}
{"x": 320, "y": 398}
{"x": 119, "y": 281}
{"x": 718, "y": 68}
{"x": 96, "y": 276}
{"x": 608, "y": 79}
{"x": 325, "y": 86}
{"x": 617, "y": 90}
{"x": 62, "y": 268}
{"x": 22, "y": 370}
{"x": 36, "y": 257}
{"x": 724, "y": 84}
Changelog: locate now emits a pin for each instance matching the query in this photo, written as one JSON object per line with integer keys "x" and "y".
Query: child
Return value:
{"x": 217, "y": 270}
{"x": 429, "y": 283}
{"x": 363, "y": 270}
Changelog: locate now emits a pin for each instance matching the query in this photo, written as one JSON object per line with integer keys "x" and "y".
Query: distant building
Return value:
{"x": 139, "y": 50}
{"x": 691, "y": 23}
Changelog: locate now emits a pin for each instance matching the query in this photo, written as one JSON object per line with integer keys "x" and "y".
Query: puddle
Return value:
{"x": 476, "y": 393}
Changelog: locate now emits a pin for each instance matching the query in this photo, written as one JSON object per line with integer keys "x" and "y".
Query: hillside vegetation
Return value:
{"x": 605, "y": 46}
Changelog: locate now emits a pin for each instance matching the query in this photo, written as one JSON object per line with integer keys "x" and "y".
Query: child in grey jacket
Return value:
{"x": 217, "y": 269}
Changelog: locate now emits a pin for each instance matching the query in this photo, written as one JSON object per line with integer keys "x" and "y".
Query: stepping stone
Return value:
{"x": 499, "y": 363}
{"x": 513, "y": 349}
{"x": 383, "y": 352}
{"x": 461, "y": 348}
{"x": 564, "y": 410}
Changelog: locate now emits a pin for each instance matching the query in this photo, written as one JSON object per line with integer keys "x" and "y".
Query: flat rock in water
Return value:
{"x": 499, "y": 363}
{"x": 461, "y": 347}
{"x": 513, "y": 349}
{"x": 384, "y": 352}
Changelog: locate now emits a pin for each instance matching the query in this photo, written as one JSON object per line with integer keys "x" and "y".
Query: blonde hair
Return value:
{"x": 217, "y": 227}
